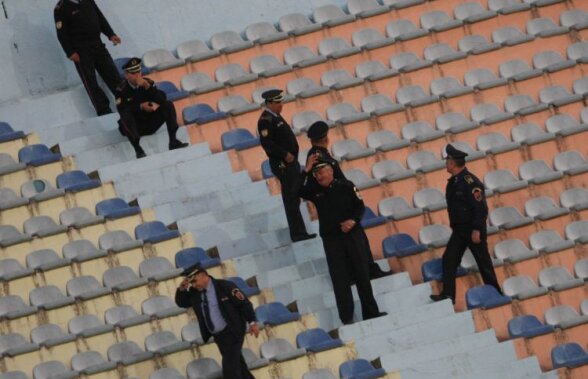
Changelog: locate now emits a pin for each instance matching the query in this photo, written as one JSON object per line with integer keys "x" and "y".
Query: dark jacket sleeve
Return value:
{"x": 154, "y": 93}
{"x": 476, "y": 198}
{"x": 104, "y": 25}
{"x": 358, "y": 207}
{"x": 266, "y": 137}
{"x": 124, "y": 106}
{"x": 183, "y": 299}
{"x": 239, "y": 300}
{"x": 308, "y": 187}
{"x": 61, "y": 27}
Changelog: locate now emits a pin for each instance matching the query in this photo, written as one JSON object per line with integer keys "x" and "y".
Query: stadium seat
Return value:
{"x": 400, "y": 4}
{"x": 350, "y": 149}
{"x": 434, "y": 235}
{"x": 336, "y": 47}
{"x": 580, "y": 86}
{"x": 502, "y": 181}
{"x": 302, "y": 56}
{"x": 448, "y": 87}
{"x": 161, "y": 306}
{"x": 79, "y": 217}
{"x": 117, "y": 241}
{"x": 570, "y": 163}
{"x": 244, "y": 287}
{"x": 471, "y": 12}
{"x": 543, "y": 208}
{"x": 359, "y": 369}
{"x": 229, "y": 42}
{"x": 574, "y": 19}
{"x": 482, "y": 78}
{"x": 370, "y": 219}
{"x": 53, "y": 369}
{"x": 527, "y": 327}
{"x": 191, "y": 333}
{"x": 508, "y": 218}
{"x": 442, "y": 53}
{"x": 200, "y": 114}
{"x": 577, "y": 231}
{"x": 164, "y": 342}
{"x": 87, "y": 326}
{"x": 414, "y": 96}
{"x": 345, "y": 113}
{"x": 339, "y": 79}
{"x": 9, "y": 199}
{"x": 578, "y": 51}
{"x": 551, "y": 61}
{"x": 199, "y": 83}
{"x": 522, "y": 105}
{"x": 403, "y": 30}
{"x": 485, "y": 296}
{"x": 365, "y": 8}
{"x": 397, "y": 208}
{"x": 154, "y": 232}
{"x": 204, "y": 368}
{"x": 186, "y": 258}
{"x": 42, "y": 226}
{"x": 557, "y": 96}
{"x": 454, "y": 122}
{"x": 438, "y": 21}
{"x": 420, "y": 131}
{"x": 510, "y": 36}
{"x": 85, "y": 287}
{"x": 507, "y": 6}
{"x": 9, "y": 235}
{"x": 360, "y": 179}
{"x": 369, "y": 38}
{"x": 558, "y": 278}
{"x": 297, "y": 24}
{"x": 37, "y": 155}
{"x": 267, "y": 66}
{"x": 495, "y": 143}
{"x": 522, "y": 287}
{"x": 115, "y": 208}
{"x": 81, "y": 250}
{"x": 9, "y": 165}
{"x": 195, "y": 50}
{"x": 513, "y": 250}
{"x": 166, "y": 373}
{"x": 12, "y": 344}
{"x": 476, "y": 44}
{"x": 429, "y": 199}
{"x": 568, "y": 355}
{"x": 529, "y": 133}
{"x": 279, "y": 350}
{"x": 171, "y": 91}
{"x": 385, "y": 140}
{"x": 401, "y": 245}
{"x": 49, "y": 335}
{"x": 274, "y": 314}
{"x": 263, "y": 32}
{"x": 45, "y": 259}
{"x": 124, "y": 316}
{"x": 158, "y": 269}
{"x": 74, "y": 181}
{"x": 331, "y": 15}
{"x": 252, "y": 360}
{"x": 407, "y": 62}
{"x": 581, "y": 271}
{"x": 11, "y": 269}
{"x": 238, "y": 139}
{"x": 235, "y": 105}
{"x": 537, "y": 172}
{"x": 39, "y": 190}
{"x": 379, "y": 105}
{"x": 8, "y": 134}
{"x": 317, "y": 340}
{"x": 266, "y": 170}
{"x": 424, "y": 161}
{"x": 549, "y": 241}
{"x": 388, "y": 171}
{"x": 433, "y": 270}
{"x": 233, "y": 74}
{"x": 517, "y": 69}
{"x": 121, "y": 278}
{"x": 160, "y": 59}
{"x": 12, "y": 306}
{"x": 489, "y": 114}
{"x": 90, "y": 362}
{"x": 305, "y": 87}
{"x": 564, "y": 316}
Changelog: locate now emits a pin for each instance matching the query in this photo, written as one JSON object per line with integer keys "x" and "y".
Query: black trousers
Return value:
{"x": 461, "y": 238}
{"x": 136, "y": 125}
{"x": 97, "y": 58}
{"x": 373, "y": 268}
{"x": 289, "y": 177}
{"x": 347, "y": 259}
{"x": 230, "y": 345}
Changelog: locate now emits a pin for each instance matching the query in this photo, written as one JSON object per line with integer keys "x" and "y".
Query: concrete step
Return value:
{"x": 108, "y": 148}
{"x": 527, "y": 368}
{"x": 413, "y": 336}
{"x": 54, "y": 134}
{"x": 283, "y": 275}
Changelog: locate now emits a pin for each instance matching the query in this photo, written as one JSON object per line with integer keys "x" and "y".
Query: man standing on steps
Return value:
{"x": 468, "y": 211}
{"x": 318, "y": 133}
{"x": 340, "y": 209}
{"x": 223, "y": 312}
{"x": 280, "y": 145}
{"x": 79, "y": 24}
{"x": 144, "y": 108}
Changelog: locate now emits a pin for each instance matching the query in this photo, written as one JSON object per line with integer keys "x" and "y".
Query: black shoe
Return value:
{"x": 350, "y": 322}
{"x": 176, "y": 144}
{"x": 440, "y": 297}
{"x": 303, "y": 237}
{"x": 139, "y": 152}
{"x": 103, "y": 112}
{"x": 379, "y": 273}
{"x": 381, "y": 314}
{"x": 121, "y": 131}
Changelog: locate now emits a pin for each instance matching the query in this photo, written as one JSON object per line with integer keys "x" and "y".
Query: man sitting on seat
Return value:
{"x": 143, "y": 108}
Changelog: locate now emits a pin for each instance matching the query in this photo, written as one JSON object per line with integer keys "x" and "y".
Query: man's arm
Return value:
{"x": 61, "y": 27}
{"x": 239, "y": 301}
{"x": 357, "y": 202}
{"x": 476, "y": 198}
{"x": 266, "y": 134}
{"x": 104, "y": 25}
{"x": 155, "y": 93}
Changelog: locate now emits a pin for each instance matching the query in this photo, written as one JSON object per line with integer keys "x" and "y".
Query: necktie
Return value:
{"x": 206, "y": 312}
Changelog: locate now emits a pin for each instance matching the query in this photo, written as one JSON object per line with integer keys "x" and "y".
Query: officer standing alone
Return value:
{"x": 280, "y": 145}
{"x": 340, "y": 209}
{"x": 223, "y": 312}
{"x": 468, "y": 211}
{"x": 79, "y": 24}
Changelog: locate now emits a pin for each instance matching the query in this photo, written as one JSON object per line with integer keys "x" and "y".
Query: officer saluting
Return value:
{"x": 280, "y": 145}
{"x": 223, "y": 312}
{"x": 318, "y": 133}
{"x": 340, "y": 209}
{"x": 79, "y": 24}
{"x": 144, "y": 108}
{"x": 468, "y": 211}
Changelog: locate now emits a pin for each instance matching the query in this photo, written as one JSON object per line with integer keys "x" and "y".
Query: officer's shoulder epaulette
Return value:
{"x": 266, "y": 116}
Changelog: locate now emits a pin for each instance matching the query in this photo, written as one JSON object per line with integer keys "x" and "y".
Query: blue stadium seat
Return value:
{"x": 433, "y": 270}
{"x": 527, "y": 326}
{"x": 120, "y": 62}
{"x": 201, "y": 114}
{"x": 74, "y": 181}
{"x": 189, "y": 257}
{"x": 568, "y": 355}
{"x": 266, "y": 170}
{"x": 370, "y": 219}
{"x": 401, "y": 245}
{"x": 316, "y": 340}
{"x": 171, "y": 91}
{"x": 485, "y": 296}
{"x": 238, "y": 139}
{"x": 243, "y": 286}
{"x": 115, "y": 208}
{"x": 359, "y": 369}
{"x": 8, "y": 134}
{"x": 37, "y": 155}
{"x": 275, "y": 314}
{"x": 154, "y": 231}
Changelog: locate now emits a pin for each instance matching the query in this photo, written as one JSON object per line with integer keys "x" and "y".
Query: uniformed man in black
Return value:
{"x": 79, "y": 24}
{"x": 340, "y": 209}
{"x": 280, "y": 145}
{"x": 144, "y": 108}
{"x": 318, "y": 133}
{"x": 223, "y": 312}
{"x": 468, "y": 211}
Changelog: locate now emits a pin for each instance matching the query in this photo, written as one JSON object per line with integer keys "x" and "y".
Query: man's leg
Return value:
{"x": 106, "y": 68}
{"x": 354, "y": 244}
{"x": 168, "y": 114}
{"x": 451, "y": 259}
{"x": 290, "y": 182}
{"x": 340, "y": 277}
{"x": 374, "y": 269}
{"x": 87, "y": 72}
{"x": 127, "y": 125}
{"x": 233, "y": 363}
{"x": 482, "y": 257}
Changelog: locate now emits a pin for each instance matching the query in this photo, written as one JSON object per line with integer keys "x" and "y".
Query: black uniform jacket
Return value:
{"x": 276, "y": 137}
{"x": 325, "y": 155}
{"x": 466, "y": 201}
{"x": 336, "y": 203}
{"x": 79, "y": 25}
{"x": 129, "y": 99}
{"x": 235, "y": 307}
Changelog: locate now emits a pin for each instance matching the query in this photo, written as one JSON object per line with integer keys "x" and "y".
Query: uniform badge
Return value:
{"x": 468, "y": 179}
{"x": 118, "y": 101}
{"x": 59, "y": 25}
{"x": 477, "y": 192}
{"x": 357, "y": 193}
{"x": 238, "y": 294}
{"x": 264, "y": 133}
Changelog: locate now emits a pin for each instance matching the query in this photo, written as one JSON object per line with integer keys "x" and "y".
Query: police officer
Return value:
{"x": 144, "y": 108}
{"x": 79, "y": 24}
{"x": 281, "y": 146}
{"x": 318, "y": 133}
{"x": 223, "y": 312}
{"x": 340, "y": 209}
{"x": 467, "y": 208}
